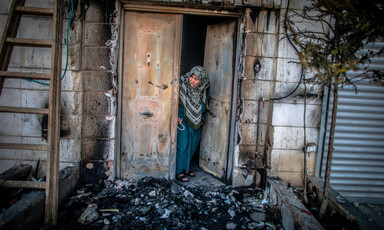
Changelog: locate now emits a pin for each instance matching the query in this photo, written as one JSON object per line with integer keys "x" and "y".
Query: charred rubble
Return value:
{"x": 153, "y": 203}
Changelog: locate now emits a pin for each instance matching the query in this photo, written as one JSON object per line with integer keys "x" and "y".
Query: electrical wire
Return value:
{"x": 66, "y": 62}
{"x": 297, "y": 51}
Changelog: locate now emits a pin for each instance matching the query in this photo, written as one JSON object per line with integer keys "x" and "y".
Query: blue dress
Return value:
{"x": 187, "y": 141}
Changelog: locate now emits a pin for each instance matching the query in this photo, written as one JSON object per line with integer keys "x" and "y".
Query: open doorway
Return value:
{"x": 209, "y": 41}
{"x": 151, "y": 60}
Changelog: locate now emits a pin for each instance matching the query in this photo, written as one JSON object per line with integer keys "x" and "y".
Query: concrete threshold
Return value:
{"x": 293, "y": 213}
{"x": 28, "y": 212}
{"x": 339, "y": 203}
{"x": 202, "y": 179}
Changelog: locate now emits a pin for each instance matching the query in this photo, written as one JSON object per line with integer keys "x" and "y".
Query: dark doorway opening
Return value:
{"x": 193, "y": 50}
{"x": 193, "y": 42}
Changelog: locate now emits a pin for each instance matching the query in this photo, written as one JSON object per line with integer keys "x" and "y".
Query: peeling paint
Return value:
{"x": 109, "y": 171}
{"x": 113, "y": 60}
{"x": 241, "y": 70}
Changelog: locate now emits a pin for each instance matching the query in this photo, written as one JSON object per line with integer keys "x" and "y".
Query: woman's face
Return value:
{"x": 194, "y": 81}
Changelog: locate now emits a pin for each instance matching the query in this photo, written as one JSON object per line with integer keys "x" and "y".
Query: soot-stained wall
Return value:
{"x": 99, "y": 69}
{"x": 270, "y": 134}
{"x": 88, "y": 102}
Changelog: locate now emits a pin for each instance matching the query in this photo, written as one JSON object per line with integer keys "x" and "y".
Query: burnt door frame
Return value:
{"x": 236, "y": 76}
{"x": 219, "y": 63}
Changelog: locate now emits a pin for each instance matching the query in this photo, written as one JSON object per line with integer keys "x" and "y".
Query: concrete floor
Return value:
{"x": 202, "y": 178}
{"x": 375, "y": 213}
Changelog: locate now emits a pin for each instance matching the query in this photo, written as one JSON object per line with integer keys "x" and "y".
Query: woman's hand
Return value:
{"x": 179, "y": 121}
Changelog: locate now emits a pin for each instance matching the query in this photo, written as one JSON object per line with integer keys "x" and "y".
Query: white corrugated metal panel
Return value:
{"x": 358, "y": 160}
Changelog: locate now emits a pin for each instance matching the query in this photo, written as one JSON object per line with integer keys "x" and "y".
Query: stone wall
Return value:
{"x": 99, "y": 66}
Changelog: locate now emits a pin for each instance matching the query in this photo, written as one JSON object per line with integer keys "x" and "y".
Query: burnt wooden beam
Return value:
{"x": 8, "y": 193}
{"x": 18, "y": 172}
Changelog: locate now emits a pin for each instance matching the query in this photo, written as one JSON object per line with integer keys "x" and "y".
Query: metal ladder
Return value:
{"x": 9, "y": 40}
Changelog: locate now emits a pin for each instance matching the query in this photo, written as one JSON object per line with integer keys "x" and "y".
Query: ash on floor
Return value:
{"x": 153, "y": 203}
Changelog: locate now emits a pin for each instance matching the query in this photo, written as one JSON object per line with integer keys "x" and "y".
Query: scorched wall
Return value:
{"x": 89, "y": 106}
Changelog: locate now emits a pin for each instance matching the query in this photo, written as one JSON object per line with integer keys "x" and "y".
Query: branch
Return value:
{"x": 318, "y": 18}
{"x": 315, "y": 35}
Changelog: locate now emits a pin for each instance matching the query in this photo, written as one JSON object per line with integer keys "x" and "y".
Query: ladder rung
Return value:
{"x": 34, "y": 11}
{"x": 23, "y": 146}
{"x": 36, "y": 76}
{"x": 22, "y": 184}
{"x": 11, "y": 109}
{"x": 29, "y": 42}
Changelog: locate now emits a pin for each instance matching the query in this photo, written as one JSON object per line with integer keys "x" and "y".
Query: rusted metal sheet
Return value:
{"x": 151, "y": 43}
{"x": 218, "y": 62}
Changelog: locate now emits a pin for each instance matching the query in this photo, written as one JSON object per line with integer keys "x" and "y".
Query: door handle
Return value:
{"x": 146, "y": 113}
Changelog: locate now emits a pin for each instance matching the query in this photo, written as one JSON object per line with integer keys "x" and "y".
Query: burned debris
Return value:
{"x": 333, "y": 218}
{"x": 152, "y": 203}
{"x": 11, "y": 195}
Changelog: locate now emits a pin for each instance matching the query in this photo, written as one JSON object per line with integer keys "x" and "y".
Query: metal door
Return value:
{"x": 218, "y": 62}
{"x": 150, "y": 94}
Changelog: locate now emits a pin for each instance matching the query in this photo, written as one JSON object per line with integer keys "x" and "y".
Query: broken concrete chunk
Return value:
{"x": 137, "y": 201}
{"x": 144, "y": 210}
{"x": 188, "y": 195}
{"x": 166, "y": 214}
{"x": 89, "y": 215}
{"x": 152, "y": 193}
{"x": 257, "y": 216}
{"x": 231, "y": 213}
{"x": 230, "y": 226}
{"x": 106, "y": 221}
{"x": 176, "y": 189}
{"x": 117, "y": 218}
{"x": 254, "y": 225}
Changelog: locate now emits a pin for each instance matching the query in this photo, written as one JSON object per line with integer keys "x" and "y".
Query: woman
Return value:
{"x": 192, "y": 104}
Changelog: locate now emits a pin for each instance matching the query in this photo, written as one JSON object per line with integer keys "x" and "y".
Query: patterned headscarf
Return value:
{"x": 190, "y": 97}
